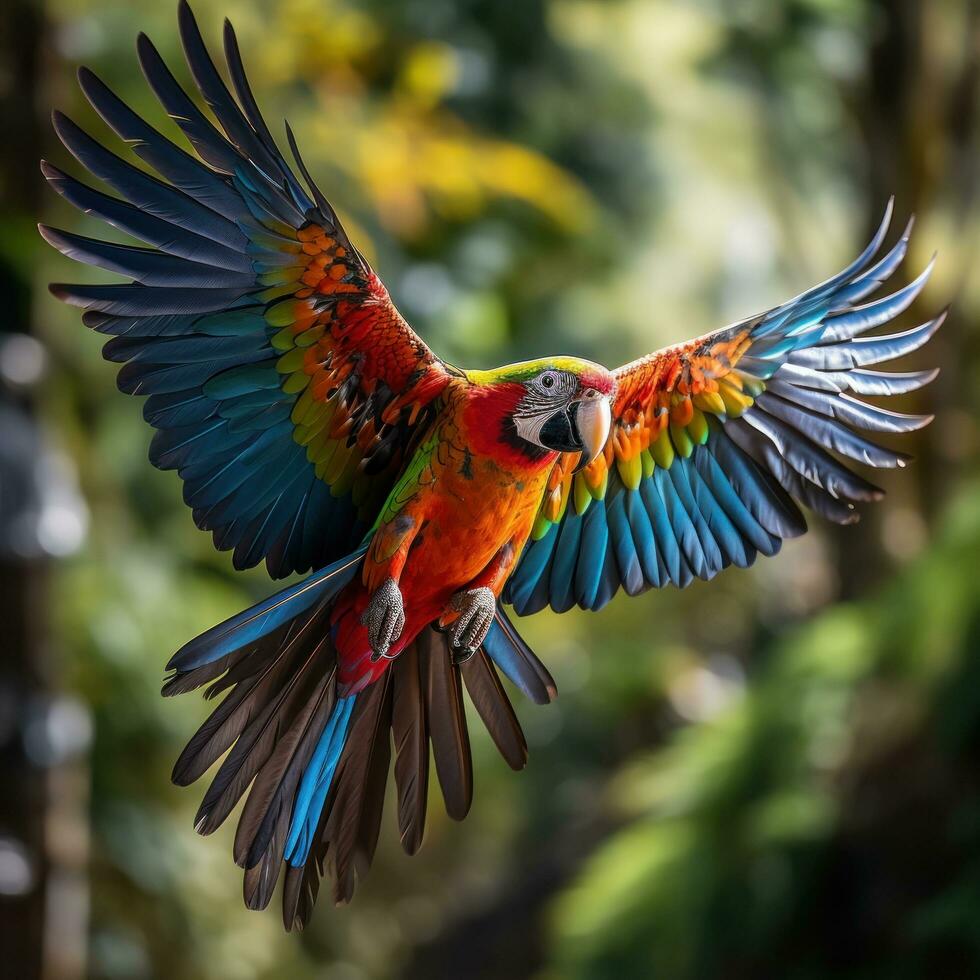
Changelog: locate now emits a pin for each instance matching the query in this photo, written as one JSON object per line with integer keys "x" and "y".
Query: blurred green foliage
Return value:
{"x": 733, "y": 826}
{"x": 745, "y": 779}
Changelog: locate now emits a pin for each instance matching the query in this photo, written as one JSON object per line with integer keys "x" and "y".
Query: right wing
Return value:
{"x": 714, "y": 442}
{"x": 286, "y": 389}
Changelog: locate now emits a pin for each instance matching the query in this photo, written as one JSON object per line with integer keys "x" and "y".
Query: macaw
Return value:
{"x": 315, "y": 431}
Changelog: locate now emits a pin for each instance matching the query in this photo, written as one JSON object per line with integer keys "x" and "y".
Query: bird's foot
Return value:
{"x": 384, "y": 618}
{"x": 476, "y": 608}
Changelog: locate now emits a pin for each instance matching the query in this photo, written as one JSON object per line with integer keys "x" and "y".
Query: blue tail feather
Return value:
{"x": 316, "y": 781}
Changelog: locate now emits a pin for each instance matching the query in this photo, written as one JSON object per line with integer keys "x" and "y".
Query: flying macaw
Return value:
{"x": 315, "y": 431}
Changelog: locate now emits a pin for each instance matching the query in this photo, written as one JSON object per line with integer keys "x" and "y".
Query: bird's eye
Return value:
{"x": 549, "y": 379}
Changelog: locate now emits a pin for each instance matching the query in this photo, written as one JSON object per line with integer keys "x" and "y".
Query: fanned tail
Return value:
{"x": 419, "y": 702}
{"x": 317, "y": 763}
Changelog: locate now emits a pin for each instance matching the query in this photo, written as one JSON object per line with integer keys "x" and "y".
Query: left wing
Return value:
{"x": 714, "y": 442}
{"x": 286, "y": 389}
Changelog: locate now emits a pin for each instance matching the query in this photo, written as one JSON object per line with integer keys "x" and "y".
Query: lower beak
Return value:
{"x": 592, "y": 421}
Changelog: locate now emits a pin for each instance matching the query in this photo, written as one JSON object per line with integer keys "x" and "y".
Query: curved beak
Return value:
{"x": 592, "y": 420}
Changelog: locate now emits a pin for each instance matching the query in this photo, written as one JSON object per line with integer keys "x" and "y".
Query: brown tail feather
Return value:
{"x": 272, "y": 720}
{"x": 263, "y": 829}
{"x": 494, "y": 708}
{"x": 447, "y": 725}
{"x": 270, "y": 799}
{"x": 274, "y": 663}
{"x": 411, "y": 735}
{"x": 367, "y": 750}
{"x": 257, "y": 742}
{"x": 375, "y": 783}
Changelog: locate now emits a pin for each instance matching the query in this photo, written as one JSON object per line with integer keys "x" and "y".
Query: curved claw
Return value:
{"x": 464, "y": 654}
{"x": 476, "y": 608}
{"x": 384, "y": 618}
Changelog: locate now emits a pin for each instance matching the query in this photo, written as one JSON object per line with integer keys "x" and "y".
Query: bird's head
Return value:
{"x": 552, "y": 405}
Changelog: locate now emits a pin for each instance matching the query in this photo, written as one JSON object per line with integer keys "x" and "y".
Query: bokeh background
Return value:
{"x": 776, "y": 774}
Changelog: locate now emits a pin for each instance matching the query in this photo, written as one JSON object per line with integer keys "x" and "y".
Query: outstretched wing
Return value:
{"x": 714, "y": 442}
{"x": 285, "y": 387}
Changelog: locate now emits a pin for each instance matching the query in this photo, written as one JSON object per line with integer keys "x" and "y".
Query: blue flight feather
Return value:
{"x": 180, "y": 168}
{"x": 708, "y": 550}
{"x": 679, "y": 526}
{"x": 866, "y": 351}
{"x": 147, "y": 227}
{"x": 664, "y": 537}
{"x": 591, "y": 556}
{"x": 210, "y": 145}
{"x": 641, "y": 524}
{"x": 241, "y": 380}
{"x": 260, "y": 619}
{"x": 145, "y": 265}
{"x": 561, "y": 584}
{"x": 621, "y": 533}
{"x": 146, "y": 192}
{"x": 844, "y": 326}
{"x": 736, "y": 509}
{"x": 534, "y": 565}
{"x": 178, "y": 408}
{"x": 516, "y": 661}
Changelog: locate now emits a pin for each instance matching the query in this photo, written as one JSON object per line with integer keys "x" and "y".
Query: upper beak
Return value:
{"x": 592, "y": 420}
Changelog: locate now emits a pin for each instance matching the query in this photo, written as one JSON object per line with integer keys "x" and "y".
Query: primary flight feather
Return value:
{"x": 315, "y": 431}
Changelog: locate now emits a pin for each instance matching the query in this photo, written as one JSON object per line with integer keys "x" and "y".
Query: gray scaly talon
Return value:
{"x": 476, "y": 608}
{"x": 384, "y": 618}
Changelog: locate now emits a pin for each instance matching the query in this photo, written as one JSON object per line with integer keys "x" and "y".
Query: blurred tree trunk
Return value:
{"x": 917, "y": 111}
{"x": 42, "y": 836}
{"x": 22, "y": 584}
